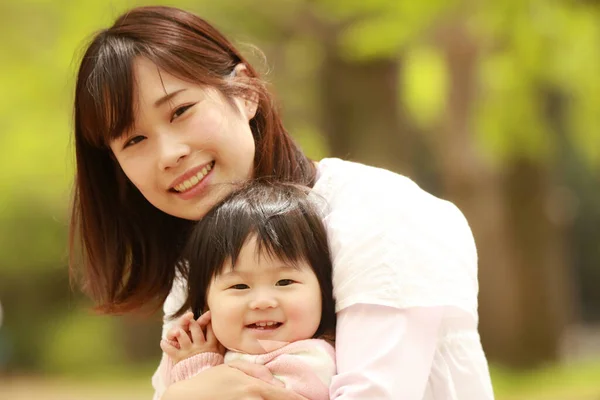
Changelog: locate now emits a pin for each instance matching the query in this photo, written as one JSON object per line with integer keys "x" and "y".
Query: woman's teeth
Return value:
{"x": 194, "y": 180}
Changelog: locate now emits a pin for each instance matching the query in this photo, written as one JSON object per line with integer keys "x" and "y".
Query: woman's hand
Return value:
{"x": 235, "y": 382}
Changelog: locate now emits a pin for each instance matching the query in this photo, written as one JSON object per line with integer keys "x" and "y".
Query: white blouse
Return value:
{"x": 405, "y": 282}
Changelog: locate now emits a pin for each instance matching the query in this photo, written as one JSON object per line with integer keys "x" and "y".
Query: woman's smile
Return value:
{"x": 187, "y": 182}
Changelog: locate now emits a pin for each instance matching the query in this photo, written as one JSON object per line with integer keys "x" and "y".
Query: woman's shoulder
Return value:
{"x": 350, "y": 187}
{"x": 337, "y": 173}
{"x": 393, "y": 243}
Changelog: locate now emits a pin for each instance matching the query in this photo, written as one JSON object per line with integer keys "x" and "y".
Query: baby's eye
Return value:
{"x": 179, "y": 111}
{"x": 284, "y": 282}
{"x": 240, "y": 286}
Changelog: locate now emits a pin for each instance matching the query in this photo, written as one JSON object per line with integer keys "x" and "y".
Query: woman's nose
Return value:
{"x": 172, "y": 150}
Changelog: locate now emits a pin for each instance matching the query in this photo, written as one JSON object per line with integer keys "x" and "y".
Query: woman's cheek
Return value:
{"x": 210, "y": 122}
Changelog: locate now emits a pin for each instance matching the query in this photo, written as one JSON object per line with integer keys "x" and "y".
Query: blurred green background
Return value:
{"x": 494, "y": 105}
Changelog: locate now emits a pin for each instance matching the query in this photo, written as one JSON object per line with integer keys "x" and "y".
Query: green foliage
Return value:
{"x": 510, "y": 122}
{"x": 424, "y": 85}
{"x": 526, "y": 48}
{"x": 79, "y": 342}
{"x": 379, "y": 29}
{"x": 575, "y": 381}
{"x": 33, "y": 237}
{"x": 532, "y": 46}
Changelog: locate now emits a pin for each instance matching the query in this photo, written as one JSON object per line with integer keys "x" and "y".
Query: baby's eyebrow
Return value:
{"x": 230, "y": 273}
{"x": 238, "y": 273}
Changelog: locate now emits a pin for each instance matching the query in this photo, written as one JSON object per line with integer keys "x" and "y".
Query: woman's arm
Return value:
{"x": 384, "y": 352}
{"x": 225, "y": 382}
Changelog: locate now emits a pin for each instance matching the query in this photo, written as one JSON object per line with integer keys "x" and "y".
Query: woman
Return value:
{"x": 168, "y": 114}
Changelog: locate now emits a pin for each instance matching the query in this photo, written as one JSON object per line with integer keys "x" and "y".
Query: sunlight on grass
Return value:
{"x": 565, "y": 382}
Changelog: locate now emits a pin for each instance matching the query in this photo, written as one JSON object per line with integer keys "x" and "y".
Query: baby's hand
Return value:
{"x": 190, "y": 337}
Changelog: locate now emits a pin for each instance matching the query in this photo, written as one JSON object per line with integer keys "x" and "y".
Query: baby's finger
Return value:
{"x": 204, "y": 319}
{"x": 210, "y": 334}
{"x": 168, "y": 348}
{"x": 196, "y": 332}
{"x": 184, "y": 340}
{"x": 184, "y": 320}
{"x": 183, "y": 323}
{"x": 173, "y": 343}
{"x": 172, "y": 333}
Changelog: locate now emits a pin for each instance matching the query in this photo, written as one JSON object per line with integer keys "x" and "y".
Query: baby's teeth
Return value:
{"x": 263, "y": 324}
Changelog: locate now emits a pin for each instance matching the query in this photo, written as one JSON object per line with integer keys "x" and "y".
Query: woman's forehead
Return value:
{"x": 151, "y": 83}
{"x": 154, "y": 86}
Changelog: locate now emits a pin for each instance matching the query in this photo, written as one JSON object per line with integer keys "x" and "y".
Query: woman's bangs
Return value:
{"x": 110, "y": 90}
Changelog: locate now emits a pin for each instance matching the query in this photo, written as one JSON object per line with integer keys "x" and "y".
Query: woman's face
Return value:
{"x": 188, "y": 144}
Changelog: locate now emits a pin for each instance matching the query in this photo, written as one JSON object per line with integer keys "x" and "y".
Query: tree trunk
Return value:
{"x": 361, "y": 114}
{"x": 522, "y": 287}
{"x": 542, "y": 277}
{"x": 477, "y": 190}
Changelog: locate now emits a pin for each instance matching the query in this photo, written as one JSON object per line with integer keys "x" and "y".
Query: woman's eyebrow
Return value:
{"x": 167, "y": 97}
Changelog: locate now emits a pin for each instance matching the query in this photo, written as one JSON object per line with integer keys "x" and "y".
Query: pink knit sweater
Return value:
{"x": 305, "y": 366}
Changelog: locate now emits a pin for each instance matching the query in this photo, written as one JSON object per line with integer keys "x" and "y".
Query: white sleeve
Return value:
{"x": 384, "y": 352}
{"x": 401, "y": 247}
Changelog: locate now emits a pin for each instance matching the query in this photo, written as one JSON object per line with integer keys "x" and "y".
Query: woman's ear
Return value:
{"x": 249, "y": 99}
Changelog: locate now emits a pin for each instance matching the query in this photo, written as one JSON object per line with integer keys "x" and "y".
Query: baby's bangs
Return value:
{"x": 273, "y": 243}
{"x": 287, "y": 238}
{"x": 284, "y": 237}
{"x": 109, "y": 93}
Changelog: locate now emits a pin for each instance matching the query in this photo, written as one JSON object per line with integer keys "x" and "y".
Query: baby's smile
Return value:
{"x": 265, "y": 325}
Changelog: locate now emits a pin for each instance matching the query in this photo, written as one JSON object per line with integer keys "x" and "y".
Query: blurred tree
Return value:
{"x": 495, "y": 144}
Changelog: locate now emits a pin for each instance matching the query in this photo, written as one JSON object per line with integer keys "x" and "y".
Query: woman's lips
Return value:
{"x": 193, "y": 178}
{"x": 197, "y": 187}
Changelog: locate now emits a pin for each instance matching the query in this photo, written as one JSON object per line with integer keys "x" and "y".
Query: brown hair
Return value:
{"x": 286, "y": 224}
{"x": 130, "y": 250}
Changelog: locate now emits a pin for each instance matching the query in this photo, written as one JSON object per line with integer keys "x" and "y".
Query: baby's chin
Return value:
{"x": 261, "y": 347}
{"x": 271, "y": 345}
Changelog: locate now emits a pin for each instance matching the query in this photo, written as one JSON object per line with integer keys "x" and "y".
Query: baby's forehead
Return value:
{"x": 262, "y": 264}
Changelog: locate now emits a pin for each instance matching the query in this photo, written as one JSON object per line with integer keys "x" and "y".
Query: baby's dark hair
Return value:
{"x": 286, "y": 224}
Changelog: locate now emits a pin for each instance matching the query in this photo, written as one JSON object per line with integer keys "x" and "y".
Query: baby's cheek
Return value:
{"x": 220, "y": 331}
{"x": 306, "y": 318}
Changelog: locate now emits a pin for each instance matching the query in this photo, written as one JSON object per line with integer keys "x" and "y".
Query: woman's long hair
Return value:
{"x": 124, "y": 251}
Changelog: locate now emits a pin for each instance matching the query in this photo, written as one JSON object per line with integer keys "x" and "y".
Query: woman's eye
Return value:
{"x": 284, "y": 282}
{"x": 240, "y": 286}
{"x": 133, "y": 140}
{"x": 179, "y": 111}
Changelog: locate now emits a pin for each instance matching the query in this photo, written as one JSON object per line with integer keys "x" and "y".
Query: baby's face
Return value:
{"x": 264, "y": 303}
